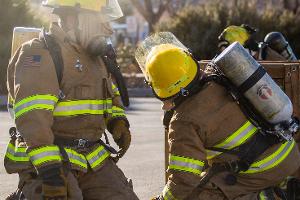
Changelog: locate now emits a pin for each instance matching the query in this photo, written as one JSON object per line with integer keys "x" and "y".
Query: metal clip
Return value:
{"x": 82, "y": 143}
{"x": 78, "y": 65}
{"x": 184, "y": 92}
{"x": 61, "y": 95}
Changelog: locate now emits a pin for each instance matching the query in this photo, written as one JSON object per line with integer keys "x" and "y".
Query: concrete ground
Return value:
{"x": 144, "y": 162}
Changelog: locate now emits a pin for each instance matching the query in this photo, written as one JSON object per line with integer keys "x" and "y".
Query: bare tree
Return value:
{"x": 147, "y": 9}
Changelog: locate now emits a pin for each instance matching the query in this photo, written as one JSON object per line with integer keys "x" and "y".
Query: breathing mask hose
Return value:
{"x": 102, "y": 46}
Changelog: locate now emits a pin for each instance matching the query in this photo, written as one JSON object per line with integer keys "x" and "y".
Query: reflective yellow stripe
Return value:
{"x": 81, "y": 107}
{"x": 76, "y": 158}
{"x": 16, "y": 154}
{"x": 45, "y": 154}
{"x": 186, "y": 164}
{"x": 115, "y": 90}
{"x": 43, "y": 102}
{"x": 118, "y": 112}
{"x": 272, "y": 160}
{"x": 97, "y": 157}
{"x": 263, "y": 196}
{"x": 237, "y": 138}
{"x": 167, "y": 195}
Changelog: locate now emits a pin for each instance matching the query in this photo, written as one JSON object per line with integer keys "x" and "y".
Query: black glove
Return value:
{"x": 54, "y": 185}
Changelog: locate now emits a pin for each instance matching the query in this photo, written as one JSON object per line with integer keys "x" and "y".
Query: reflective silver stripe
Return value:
{"x": 76, "y": 157}
{"x": 272, "y": 160}
{"x": 186, "y": 165}
{"x": 44, "y": 154}
{"x": 17, "y": 154}
{"x": 97, "y": 156}
{"x": 237, "y": 138}
{"x": 80, "y": 107}
{"x": 35, "y": 102}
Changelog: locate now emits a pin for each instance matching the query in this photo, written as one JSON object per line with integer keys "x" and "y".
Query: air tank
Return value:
{"x": 256, "y": 85}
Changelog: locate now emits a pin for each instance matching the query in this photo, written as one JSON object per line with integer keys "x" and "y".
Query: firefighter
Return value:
{"x": 205, "y": 118}
{"x": 61, "y": 113}
{"x": 274, "y": 47}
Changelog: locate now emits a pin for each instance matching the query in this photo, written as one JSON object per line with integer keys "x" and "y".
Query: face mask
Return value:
{"x": 90, "y": 29}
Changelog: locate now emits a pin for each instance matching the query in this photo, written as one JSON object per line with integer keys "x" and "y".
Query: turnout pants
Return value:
{"x": 109, "y": 182}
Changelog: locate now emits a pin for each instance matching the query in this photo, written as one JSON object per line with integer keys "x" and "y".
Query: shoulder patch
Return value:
{"x": 32, "y": 61}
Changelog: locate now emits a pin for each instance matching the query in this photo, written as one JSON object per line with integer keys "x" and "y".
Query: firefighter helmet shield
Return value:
{"x": 108, "y": 8}
{"x": 166, "y": 64}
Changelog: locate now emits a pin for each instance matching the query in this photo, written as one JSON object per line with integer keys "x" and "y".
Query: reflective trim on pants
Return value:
{"x": 42, "y": 155}
{"x": 16, "y": 154}
{"x": 97, "y": 157}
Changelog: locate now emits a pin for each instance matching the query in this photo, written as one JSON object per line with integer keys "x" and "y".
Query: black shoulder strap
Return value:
{"x": 55, "y": 52}
{"x": 167, "y": 118}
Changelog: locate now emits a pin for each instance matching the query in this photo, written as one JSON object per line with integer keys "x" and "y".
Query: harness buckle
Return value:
{"x": 82, "y": 143}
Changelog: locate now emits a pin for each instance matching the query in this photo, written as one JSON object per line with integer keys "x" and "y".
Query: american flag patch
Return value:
{"x": 32, "y": 61}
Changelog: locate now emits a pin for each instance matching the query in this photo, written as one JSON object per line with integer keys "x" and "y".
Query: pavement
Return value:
{"x": 144, "y": 161}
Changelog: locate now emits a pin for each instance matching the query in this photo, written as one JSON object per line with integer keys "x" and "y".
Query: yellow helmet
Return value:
{"x": 110, "y": 8}
{"x": 169, "y": 70}
{"x": 235, "y": 34}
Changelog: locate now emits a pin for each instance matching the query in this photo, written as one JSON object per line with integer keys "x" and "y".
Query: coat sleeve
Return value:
{"x": 186, "y": 159}
{"x": 36, "y": 92}
{"x": 118, "y": 110}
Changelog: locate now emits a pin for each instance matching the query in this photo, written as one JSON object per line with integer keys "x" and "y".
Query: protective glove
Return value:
{"x": 54, "y": 183}
{"x": 122, "y": 136}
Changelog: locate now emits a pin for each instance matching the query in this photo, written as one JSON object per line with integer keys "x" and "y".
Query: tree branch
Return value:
{"x": 162, "y": 8}
{"x": 138, "y": 5}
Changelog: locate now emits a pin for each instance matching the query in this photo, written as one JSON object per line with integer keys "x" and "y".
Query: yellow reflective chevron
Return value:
{"x": 16, "y": 154}
{"x": 115, "y": 90}
{"x": 97, "y": 157}
{"x": 167, "y": 195}
{"x": 82, "y": 107}
{"x": 76, "y": 158}
{"x": 237, "y": 138}
{"x": 42, "y": 155}
{"x": 186, "y": 164}
{"x": 263, "y": 195}
{"x": 40, "y": 101}
{"x": 118, "y": 112}
{"x": 46, "y": 154}
{"x": 272, "y": 160}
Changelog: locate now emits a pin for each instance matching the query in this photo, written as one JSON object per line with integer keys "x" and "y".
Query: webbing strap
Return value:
{"x": 252, "y": 80}
{"x": 55, "y": 52}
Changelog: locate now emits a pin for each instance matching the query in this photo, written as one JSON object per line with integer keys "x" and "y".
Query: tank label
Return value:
{"x": 264, "y": 92}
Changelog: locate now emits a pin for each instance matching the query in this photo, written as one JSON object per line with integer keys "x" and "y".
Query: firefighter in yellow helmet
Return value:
{"x": 205, "y": 118}
{"x": 274, "y": 47}
{"x": 64, "y": 100}
{"x": 243, "y": 34}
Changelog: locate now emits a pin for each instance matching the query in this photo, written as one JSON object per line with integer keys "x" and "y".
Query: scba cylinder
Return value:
{"x": 255, "y": 84}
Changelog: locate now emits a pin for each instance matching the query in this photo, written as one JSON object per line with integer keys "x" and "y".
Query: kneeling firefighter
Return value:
{"x": 231, "y": 132}
{"x": 63, "y": 101}
{"x": 274, "y": 47}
